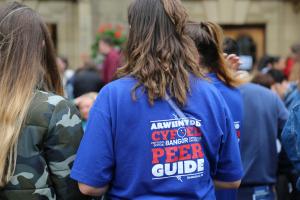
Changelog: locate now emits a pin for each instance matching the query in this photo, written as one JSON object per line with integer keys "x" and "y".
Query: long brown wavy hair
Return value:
{"x": 27, "y": 63}
{"x": 208, "y": 38}
{"x": 159, "y": 53}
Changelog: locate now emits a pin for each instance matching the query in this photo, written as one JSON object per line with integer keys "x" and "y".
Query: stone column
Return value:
{"x": 85, "y": 28}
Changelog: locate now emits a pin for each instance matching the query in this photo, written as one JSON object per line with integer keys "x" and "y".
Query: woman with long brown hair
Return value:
{"x": 208, "y": 38}
{"x": 158, "y": 131}
{"x": 39, "y": 131}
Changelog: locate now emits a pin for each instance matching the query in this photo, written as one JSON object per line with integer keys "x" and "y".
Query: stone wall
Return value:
{"x": 73, "y": 26}
{"x": 77, "y": 23}
{"x": 281, "y": 20}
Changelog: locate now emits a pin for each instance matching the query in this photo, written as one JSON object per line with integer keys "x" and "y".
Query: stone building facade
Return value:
{"x": 75, "y": 22}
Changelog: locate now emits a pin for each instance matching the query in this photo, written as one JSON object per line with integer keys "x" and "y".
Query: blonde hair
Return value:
{"x": 27, "y": 62}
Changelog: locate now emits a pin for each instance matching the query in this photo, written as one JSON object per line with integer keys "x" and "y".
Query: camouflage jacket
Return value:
{"x": 46, "y": 150}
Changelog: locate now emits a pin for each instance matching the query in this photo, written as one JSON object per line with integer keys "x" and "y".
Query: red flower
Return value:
{"x": 118, "y": 34}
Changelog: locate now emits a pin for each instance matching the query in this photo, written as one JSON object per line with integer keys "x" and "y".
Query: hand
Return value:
{"x": 233, "y": 61}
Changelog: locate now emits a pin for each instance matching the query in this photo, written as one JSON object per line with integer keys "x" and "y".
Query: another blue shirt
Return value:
{"x": 234, "y": 101}
{"x": 264, "y": 115}
{"x": 146, "y": 152}
{"x": 292, "y": 97}
{"x": 291, "y": 138}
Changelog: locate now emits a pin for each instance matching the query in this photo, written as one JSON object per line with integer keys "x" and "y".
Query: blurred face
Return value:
{"x": 104, "y": 48}
{"x": 295, "y": 50}
{"x": 296, "y": 56}
{"x": 85, "y": 106}
{"x": 280, "y": 65}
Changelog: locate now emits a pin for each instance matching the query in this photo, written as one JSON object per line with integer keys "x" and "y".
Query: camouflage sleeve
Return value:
{"x": 64, "y": 135}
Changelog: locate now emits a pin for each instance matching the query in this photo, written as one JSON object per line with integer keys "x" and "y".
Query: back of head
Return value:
{"x": 109, "y": 41}
{"x": 230, "y": 46}
{"x": 159, "y": 53}
{"x": 264, "y": 80}
{"x": 277, "y": 75}
{"x": 267, "y": 61}
{"x": 208, "y": 38}
{"x": 27, "y": 62}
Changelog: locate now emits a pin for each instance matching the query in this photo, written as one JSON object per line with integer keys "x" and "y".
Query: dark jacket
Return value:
{"x": 46, "y": 150}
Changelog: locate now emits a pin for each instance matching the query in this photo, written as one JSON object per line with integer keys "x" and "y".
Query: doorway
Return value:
{"x": 251, "y": 39}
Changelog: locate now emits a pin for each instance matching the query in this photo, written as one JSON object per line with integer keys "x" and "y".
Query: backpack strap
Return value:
{"x": 173, "y": 105}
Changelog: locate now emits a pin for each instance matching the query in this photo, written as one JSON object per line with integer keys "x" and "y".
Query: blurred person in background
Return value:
{"x": 66, "y": 75}
{"x": 268, "y": 63}
{"x": 84, "y": 104}
{"x": 290, "y": 134}
{"x": 281, "y": 85}
{"x": 40, "y": 131}
{"x": 230, "y": 46}
{"x": 292, "y": 96}
{"x": 290, "y": 140}
{"x": 208, "y": 38}
{"x": 264, "y": 113}
{"x": 287, "y": 177}
{"x": 288, "y": 66}
{"x": 86, "y": 79}
{"x": 292, "y": 63}
{"x": 142, "y": 150}
{"x": 231, "y": 53}
{"x": 264, "y": 80}
{"x": 112, "y": 59}
{"x": 280, "y": 64}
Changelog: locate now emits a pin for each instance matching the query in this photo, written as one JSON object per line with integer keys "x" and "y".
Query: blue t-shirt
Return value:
{"x": 234, "y": 101}
{"x": 147, "y": 152}
{"x": 233, "y": 98}
{"x": 264, "y": 115}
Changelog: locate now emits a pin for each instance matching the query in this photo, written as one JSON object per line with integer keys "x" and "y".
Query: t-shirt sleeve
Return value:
{"x": 95, "y": 158}
{"x": 229, "y": 166}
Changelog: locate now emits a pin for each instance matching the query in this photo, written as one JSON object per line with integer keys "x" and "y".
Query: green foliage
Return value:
{"x": 116, "y": 33}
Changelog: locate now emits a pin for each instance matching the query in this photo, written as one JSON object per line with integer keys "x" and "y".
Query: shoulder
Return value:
{"x": 116, "y": 91}
{"x": 114, "y": 54}
{"x": 44, "y": 105}
{"x": 50, "y": 99}
{"x": 226, "y": 91}
{"x": 261, "y": 97}
{"x": 127, "y": 81}
{"x": 251, "y": 88}
{"x": 119, "y": 86}
{"x": 203, "y": 92}
{"x": 203, "y": 87}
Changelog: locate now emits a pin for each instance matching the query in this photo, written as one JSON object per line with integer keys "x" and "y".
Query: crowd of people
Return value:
{"x": 173, "y": 115}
